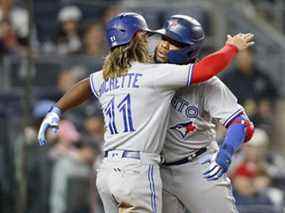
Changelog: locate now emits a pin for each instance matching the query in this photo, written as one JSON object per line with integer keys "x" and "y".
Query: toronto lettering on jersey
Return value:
{"x": 183, "y": 106}
{"x": 131, "y": 80}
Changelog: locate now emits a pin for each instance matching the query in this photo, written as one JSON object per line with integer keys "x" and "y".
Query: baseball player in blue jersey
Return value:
{"x": 135, "y": 96}
{"x": 194, "y": 167}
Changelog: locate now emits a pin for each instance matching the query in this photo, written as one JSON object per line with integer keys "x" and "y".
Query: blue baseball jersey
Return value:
{"x": 136, "y": 106}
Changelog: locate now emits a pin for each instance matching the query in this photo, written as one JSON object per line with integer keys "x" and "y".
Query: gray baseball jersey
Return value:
{"x": 136, "y": 106}
{"x": 193, "y": 114}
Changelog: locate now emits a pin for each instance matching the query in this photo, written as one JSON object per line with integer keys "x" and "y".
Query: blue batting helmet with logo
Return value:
{"x": 187, "y": 31}
{"x": 121, "y": 29}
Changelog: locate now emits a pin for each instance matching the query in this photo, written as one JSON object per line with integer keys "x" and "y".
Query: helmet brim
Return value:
{"x": 149, "y": 31}
{"x": 160, "y": 31}
{"x": 171, "y": 35}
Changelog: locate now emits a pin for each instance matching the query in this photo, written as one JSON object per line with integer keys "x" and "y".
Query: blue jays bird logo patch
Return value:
{"x": 185, "y": 129}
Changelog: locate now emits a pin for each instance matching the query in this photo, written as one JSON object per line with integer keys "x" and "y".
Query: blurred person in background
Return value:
{"x": 257, "y": 152}
{"x": 246, "y": 193}
{"x": 5, "y": 7}
{"x": 20, "y": 23}
{"x": 95, "y": 129}
{"x": 33, "y": 164}
{"x": 78, "y": 165}
{"x": 68, "y": 37}
{"x": 255, "y": 168}
{"x": 93, "y": 41}
{"x": 68, "y": 77}
{"x": 264, "y": 185}
{"x": 94, "y": 126}
{"x": 67, "y": 136}
{"x": 14, "y": 30}
{"x": 38, "y": 162}
{"x": 8, "y": 39}
{"x": 110, "y": 12}
{"x": 254, "y": 89}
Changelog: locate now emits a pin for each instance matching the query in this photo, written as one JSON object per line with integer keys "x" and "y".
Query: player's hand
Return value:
{"x": 241, "y": 40}
{"x": 218, "y": 165}
{"x": 50, "y": 121}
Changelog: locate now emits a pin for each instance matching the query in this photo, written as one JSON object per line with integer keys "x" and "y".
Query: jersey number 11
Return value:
{"x": 124, "y": 107}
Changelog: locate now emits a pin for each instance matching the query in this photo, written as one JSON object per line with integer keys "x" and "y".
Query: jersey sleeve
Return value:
{"x": 94, "y": 84}
{"x": 171, "y": 76}
{"x": 220, "y": 102}
{"x": 213, "y": 64}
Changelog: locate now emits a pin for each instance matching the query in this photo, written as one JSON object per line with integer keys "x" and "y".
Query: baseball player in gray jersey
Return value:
{"x": 193, "y": 171}
{"x": 135, "y": 96}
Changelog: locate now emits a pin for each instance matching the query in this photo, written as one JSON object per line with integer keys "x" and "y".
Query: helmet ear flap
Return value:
{"x": 192, "y": 59}
{"x": 179, "y": 56}
{"x": 194, "y": 51}
{"x": 185, "y": 55}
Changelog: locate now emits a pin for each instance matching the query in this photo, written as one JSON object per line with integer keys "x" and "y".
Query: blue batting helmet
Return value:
{"x": 187, "y": 31}
{"x": 121, "y": 29}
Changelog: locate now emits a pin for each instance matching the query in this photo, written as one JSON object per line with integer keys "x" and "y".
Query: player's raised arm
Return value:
{"x": 79, "y": 93}
{"x": 174, "y": 76}
{"x": 216, "y": 62}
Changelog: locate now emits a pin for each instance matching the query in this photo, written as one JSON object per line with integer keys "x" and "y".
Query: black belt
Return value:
{"x": 126, "y": 154}
{"x": 190, "y": 158}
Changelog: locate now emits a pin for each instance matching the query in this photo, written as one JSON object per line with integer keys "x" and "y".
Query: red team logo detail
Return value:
{"x": 185, "y": 129}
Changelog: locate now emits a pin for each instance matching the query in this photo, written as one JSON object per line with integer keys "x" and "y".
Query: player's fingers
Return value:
{"x": 54, "y": 130}
{"x": 241, "y": 35}
{"x": 212, "y": 179}
{"x": 249, "y": 37}
{"x": 42, "y": 142}
{"x": 211, "y": 171}
{"x": 249, "y": 34}
{"x": 215, "y": 177}
{"x": 205, "y": 159}
{"x": 42, "y": 133}
{"x": 42, "y": 130}
{"x": 250, "y": 43}
{"x": 215, "y": 171}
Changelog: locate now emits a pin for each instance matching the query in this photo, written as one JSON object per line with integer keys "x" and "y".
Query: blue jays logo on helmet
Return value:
{"x": 121, "y": 29}
{"x": 187, "y": 31}
{"x": 184, "y": 129}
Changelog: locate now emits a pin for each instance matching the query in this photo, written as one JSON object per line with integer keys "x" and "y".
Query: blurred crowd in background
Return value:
{"x": 47, "y": 46}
